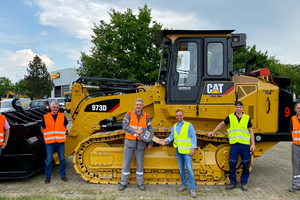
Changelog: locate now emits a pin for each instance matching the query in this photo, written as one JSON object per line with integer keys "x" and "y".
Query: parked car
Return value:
{"x": 60, "y": 100}
{"x": 6, "y": 104}
{"x": 43, "y": 104}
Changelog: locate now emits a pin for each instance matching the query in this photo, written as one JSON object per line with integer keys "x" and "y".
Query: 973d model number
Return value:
{"x": 108, "y": 106}
{"x": 99, "y": 107}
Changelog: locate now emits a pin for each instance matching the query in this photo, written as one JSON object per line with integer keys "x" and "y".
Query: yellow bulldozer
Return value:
{"x": 196, "y": 75}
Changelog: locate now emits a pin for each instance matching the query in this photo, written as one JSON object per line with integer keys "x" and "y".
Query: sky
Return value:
{"x": 58, "y": 30}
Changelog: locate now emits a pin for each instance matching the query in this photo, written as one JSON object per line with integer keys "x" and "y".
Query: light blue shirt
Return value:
{"x": 191, "y": 134}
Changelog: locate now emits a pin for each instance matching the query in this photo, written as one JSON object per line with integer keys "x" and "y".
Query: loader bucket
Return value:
{"x": 25, "y": 152}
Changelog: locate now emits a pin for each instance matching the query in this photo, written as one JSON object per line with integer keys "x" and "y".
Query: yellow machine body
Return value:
{"x": 97, "y": 138}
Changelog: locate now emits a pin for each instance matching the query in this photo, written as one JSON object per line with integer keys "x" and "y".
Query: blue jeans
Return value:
{"x": 0, "y": 150}
{"x": 236, "y": 150}
{"x": 185, "y": 159}
{"x": 60, "y": 149}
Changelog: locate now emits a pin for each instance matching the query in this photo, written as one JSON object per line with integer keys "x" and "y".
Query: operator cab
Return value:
{"x": 192, "y": 58}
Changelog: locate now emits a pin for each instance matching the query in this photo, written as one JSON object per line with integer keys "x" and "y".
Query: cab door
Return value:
{"x": 184, "y": 77}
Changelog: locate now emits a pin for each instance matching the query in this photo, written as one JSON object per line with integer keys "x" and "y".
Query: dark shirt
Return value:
{"x": 54, "y": 117}
{"x": 291, "y": 123}
{"x": 227, "y": 121}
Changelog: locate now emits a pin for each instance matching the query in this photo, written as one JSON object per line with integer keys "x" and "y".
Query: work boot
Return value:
{"x": 122, "y": 187}
{"x": 47, "y": 180}
{"x": 193, "y": 193}
{"x": 64, "y": 179}
{"x": 230, "y": 187}
{"x": 141, "y": 187}
{"x": 244, "y": 187}
{"x": 293, "y": 189}
{"x": 181, "y": 188}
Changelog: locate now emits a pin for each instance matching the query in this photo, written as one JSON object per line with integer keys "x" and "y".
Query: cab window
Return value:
{"x": 215, "y": 59}
{"x": 187, "y": 64}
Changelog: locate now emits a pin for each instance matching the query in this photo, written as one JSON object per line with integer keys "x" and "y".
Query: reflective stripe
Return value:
{"x": 296, "y": 131}
{"x": 133, "y": 134}
{"x": 1, "y": 140}
{"x": 135, "y": 127}
{"x": 180, "y": 140}
{"x": 241, "y": 130}
{"x": 55, "y": 137}
{"x": 54, "y": 132}
{"x": 184, "y": 147}
{"x": 1, "y": 134}
{"x": 296, "y": 138}
{"x": 125, "y": 173}
{"x": 140, "y": 173}
{"x": 244, "y": 138}
{"x": 297, "y": 176}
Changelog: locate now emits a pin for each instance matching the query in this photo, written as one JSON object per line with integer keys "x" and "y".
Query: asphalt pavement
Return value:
{"x": 270, "y": 177}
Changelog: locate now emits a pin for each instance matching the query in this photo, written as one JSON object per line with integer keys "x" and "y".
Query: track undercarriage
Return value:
{"x": 99, "y": 159}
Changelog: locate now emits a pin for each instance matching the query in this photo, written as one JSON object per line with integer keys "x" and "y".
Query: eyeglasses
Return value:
{"x": 54, "y": 107}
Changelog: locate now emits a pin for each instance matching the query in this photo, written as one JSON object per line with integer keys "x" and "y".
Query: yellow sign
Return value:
{"x": 55, "y": 75}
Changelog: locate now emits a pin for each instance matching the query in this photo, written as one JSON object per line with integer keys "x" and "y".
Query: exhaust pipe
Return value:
{"x": 248, "y": 65}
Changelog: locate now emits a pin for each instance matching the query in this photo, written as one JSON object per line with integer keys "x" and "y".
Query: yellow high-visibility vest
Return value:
{"x": 238, "y": 131}
{"x": 181, "y": 141}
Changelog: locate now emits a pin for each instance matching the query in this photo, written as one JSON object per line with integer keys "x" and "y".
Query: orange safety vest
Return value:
{"x": 2, "y": 133}
{"x": 296, "y": 130}
{"x": 55, "y": 131}
{"x": 134, "y": 123}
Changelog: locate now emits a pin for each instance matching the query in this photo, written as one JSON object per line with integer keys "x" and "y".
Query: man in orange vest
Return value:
{"x": 133, "y": 122}
{"x": 4, "y": 132}
{"x": 295, "y": 130}
{"x": 54, "y": 129}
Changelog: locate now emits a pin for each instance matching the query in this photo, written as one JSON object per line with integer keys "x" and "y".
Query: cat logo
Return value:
{"x": 217, "y": 88}
{"x": 214, "y": 88}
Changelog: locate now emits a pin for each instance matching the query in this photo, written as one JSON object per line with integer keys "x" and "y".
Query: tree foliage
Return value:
{"x": 38, "y": 81}
{"x": 5, "y": 85}
{"x": 124, "y": 48}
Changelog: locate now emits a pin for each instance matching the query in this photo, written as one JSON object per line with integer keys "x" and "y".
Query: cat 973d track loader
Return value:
{"x": 196, "y": 75}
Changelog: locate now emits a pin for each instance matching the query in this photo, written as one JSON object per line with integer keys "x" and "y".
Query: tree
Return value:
{"x": 38, "y": 81}
{"x": 124, "y": 48}
{"x": 5, "y": 85}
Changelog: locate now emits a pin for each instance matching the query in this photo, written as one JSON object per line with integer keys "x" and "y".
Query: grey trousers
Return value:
{"x": 127, "y": 158}
{"x": 296, "y": 165}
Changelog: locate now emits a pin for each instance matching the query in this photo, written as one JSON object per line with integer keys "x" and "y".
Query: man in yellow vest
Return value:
{"x": 295, "y": 130}
{"x": 4, "y": 132}
{"x": 185, "y": 142}
{"x": 54, "y": 129}
{"x": 133, "y": 122}
{"x": 240, "y": 133}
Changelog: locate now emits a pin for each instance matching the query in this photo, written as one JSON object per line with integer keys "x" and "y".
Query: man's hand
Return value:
{"x": 140, "y": 132}
{"x": 149, "y": 146}
{"x": 192, "y": 152}
{"x": 210, "y": 134}
{"x": 4, "y": 145}
{"x": 252, "y": 147}
{"x": 163, "y": 140}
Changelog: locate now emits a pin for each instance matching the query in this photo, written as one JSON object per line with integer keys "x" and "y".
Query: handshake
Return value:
{"x": 162, "y": 141}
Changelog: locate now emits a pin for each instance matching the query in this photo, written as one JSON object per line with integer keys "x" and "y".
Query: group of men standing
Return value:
{"x": 240, "y": 135}
{"x": 185, "y": 142}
